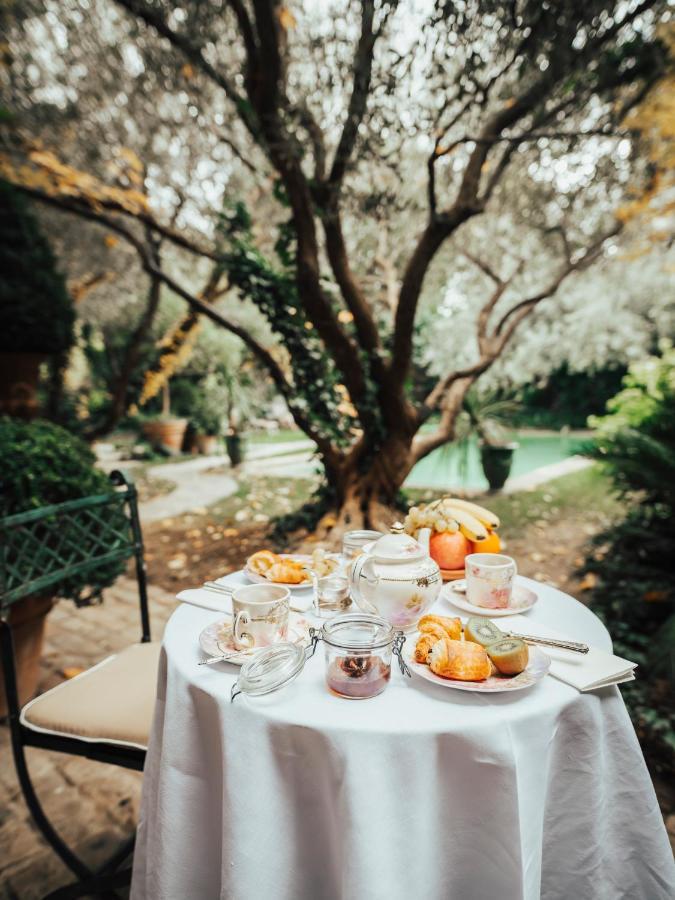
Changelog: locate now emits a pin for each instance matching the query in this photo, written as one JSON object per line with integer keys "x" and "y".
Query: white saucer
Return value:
{"x": 522, "y": 599}
{"x": 216, "y": 638}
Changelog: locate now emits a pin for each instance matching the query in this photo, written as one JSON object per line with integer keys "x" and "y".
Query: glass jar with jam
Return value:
{"x": 358, "y": 656}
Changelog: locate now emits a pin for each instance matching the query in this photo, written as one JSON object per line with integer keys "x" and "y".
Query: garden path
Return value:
{"x": 195, "y": 487}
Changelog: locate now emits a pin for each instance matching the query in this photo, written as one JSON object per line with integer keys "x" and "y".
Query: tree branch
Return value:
{"x": 81, "y": 207}
{"x": 362, "y": 68}
{"x": 450, "y": 391}
{"x": 153, "y": 18}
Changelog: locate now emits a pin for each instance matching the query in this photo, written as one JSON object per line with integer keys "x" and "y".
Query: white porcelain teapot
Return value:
{"x": 394, "y": 577}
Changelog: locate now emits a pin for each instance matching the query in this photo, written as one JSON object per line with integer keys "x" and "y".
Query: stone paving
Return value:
{"x": 93, "y": 806}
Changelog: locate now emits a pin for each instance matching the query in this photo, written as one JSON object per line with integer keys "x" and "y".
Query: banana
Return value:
{"x": 470, "y": 527}
{"x": 484, "y": 516}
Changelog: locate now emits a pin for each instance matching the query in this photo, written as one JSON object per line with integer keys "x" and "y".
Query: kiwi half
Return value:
{"x": 509, "y": 655}
{"x": 482, "y": 631}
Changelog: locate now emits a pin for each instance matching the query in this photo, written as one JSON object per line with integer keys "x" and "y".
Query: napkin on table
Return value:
{"x": 301, "y": 600}
{"x": 583, "y": 671}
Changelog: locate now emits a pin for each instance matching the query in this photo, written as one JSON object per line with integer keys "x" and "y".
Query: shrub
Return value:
{"x": 635, "y": 594}
{"x": 43, "y": 464}
{"x": 36, "y": 312}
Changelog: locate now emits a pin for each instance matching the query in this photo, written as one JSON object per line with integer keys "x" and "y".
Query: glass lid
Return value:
{"x": 358, "y": 631}
{"x": 270, "y": 669}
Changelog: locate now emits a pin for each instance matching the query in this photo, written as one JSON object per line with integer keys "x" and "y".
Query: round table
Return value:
{"x": 423, "y": 791}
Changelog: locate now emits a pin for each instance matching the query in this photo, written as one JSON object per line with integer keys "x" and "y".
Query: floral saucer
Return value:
{"x": 522, "y": 599}
{"x": 216, "y": 639}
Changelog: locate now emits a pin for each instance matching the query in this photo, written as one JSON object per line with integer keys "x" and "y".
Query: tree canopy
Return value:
{"x": 335, "y": 168}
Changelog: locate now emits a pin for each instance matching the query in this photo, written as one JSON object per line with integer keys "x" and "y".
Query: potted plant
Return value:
{"x": 208, "y": 412}
{"x": 166, "y": 432}
{"x": 36, "y": 312}
{"x": 486, "y": 417}
{"x": 237, "y": 408}
{"x": 43, "y": 464}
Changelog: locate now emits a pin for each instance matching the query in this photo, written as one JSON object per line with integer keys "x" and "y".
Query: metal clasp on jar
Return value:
{"x": 397, "y": 648}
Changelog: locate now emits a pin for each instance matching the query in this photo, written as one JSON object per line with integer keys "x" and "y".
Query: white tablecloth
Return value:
{"x": 422, "y": 792}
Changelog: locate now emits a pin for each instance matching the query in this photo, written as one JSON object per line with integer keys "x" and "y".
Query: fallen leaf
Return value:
{"x": 286, "y": 18}
{"x": 655, "y": 596}
{"x": 71, "y": 671}
{"x": 588, "y": 582}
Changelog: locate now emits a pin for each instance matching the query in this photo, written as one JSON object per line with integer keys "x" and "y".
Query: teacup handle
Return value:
{"x": 241, "y": 639}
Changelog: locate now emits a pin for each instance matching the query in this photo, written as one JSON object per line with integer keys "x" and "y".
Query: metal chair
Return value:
{"x": 40, "y": 550}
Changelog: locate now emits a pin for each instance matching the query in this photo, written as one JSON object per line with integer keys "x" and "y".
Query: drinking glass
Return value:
{"x": 331, "y": 595}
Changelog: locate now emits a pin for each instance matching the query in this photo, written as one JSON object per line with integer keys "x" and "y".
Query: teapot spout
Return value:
{"x": 423, "y": 536}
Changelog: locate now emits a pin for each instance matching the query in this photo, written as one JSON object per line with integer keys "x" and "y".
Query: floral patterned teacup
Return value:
{"x": 489, "y": 580}
{"x": 260, "y": 615}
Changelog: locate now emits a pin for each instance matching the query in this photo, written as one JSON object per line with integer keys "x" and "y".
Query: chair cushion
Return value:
{"x": 112, "y": 702}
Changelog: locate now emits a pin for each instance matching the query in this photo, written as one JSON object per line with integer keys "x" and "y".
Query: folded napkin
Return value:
{"x": 583, "y": 671}
{"x": 301, "y": 600}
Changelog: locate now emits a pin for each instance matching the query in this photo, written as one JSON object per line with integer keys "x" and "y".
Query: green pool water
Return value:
{"x": 445, "y": 468}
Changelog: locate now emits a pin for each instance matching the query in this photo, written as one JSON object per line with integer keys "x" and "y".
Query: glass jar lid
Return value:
{"x": 270, "y": 669}
{"x": 353, "y": 540}
{"x": 358, "y": 631}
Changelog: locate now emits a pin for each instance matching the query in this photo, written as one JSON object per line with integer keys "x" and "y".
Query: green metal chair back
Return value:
{"x": 52, "y": 548}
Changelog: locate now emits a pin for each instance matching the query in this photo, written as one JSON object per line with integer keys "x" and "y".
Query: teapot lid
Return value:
{"x": 397, "y": 546}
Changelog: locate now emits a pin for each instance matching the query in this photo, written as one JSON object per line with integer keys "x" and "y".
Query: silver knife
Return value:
{"x": 550, "y": 642}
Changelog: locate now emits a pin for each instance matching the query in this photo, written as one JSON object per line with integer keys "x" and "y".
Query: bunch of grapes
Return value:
{"x": 436, "y": 516}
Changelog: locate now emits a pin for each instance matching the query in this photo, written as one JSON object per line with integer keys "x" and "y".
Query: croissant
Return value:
{"x": 461, "y": 660}
{"x": 451, "y": 627}
{"x": 262, "y": 561}
{"x": 432, "y": 628}
{"x": 423, "y": 646}
{"x": 286, "y": 572}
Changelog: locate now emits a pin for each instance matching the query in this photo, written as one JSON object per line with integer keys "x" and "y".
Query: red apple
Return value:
{"x": 449, "y": 549}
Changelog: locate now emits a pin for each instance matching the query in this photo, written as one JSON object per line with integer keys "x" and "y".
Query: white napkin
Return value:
{"x": 583, "y": 671}
{"x": 301, "y": 600}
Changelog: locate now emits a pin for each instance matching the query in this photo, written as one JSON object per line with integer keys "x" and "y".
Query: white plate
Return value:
{"x": 260, "y": 579}
{"x": 537, "y": 668}
{"x": 216, "y": 639}
{"x": 301, "y": 557}
{"x": 522, "y": 599}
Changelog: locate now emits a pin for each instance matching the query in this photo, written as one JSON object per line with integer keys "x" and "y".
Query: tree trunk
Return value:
{"x": 366, "y": 483}
{"x": 120, "y": 400}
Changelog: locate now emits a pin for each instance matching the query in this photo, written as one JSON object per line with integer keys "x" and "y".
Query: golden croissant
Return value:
{"x": 423, "y": 646}
{"x": 451, "y": 627}
{"x": 461, "y": 660}
{"x": 287, "y": 572}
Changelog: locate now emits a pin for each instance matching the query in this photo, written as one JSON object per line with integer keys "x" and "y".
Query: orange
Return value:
{"x": 491, "y": 544}
{"x": 449, "y": 549}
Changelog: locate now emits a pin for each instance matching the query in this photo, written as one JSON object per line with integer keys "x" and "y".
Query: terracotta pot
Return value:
{"x": 27, "y": 618}
{"x": 207, "y": 444}
{"x": 19, "y": 374}
{"x": 166, "y": 434}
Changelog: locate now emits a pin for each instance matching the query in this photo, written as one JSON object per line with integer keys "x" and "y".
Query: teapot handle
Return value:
{"x": 361, "y": 568}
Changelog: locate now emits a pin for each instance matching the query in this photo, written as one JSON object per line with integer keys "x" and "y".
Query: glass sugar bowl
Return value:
{"x": 358, "y": 650}
{"x": 354, "y": 541}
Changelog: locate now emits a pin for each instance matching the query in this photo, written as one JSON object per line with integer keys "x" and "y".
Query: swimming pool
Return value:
{"x": 445, "y": 468}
